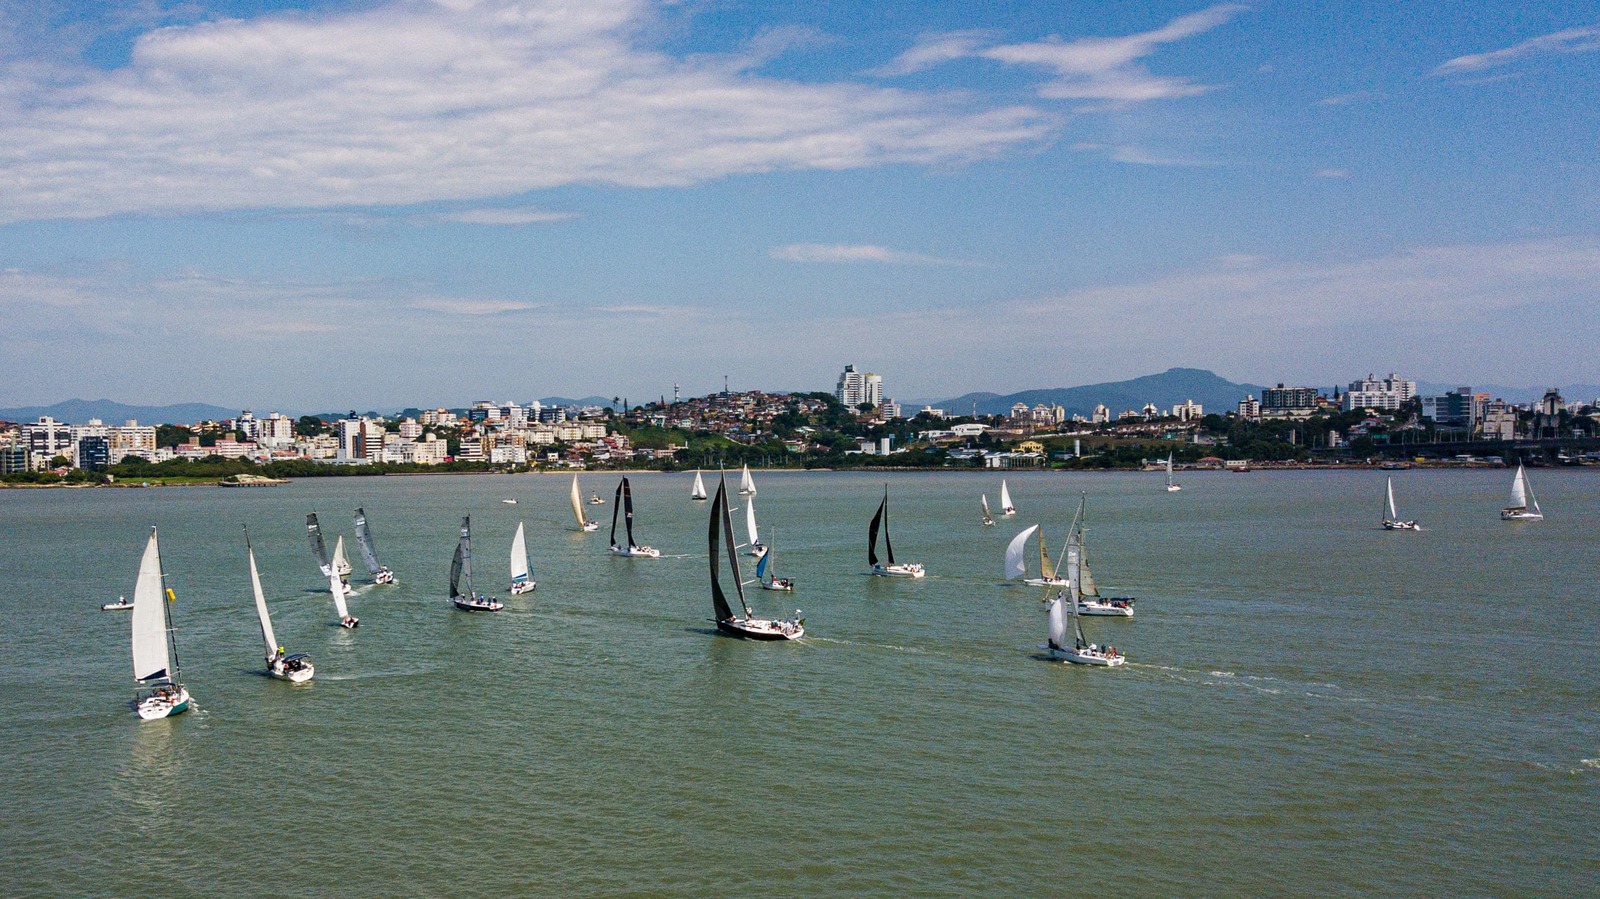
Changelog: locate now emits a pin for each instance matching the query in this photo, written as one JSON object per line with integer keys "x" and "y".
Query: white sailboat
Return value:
{"x": 155, "y": 655}
{"x": 1016, "y": 564}
{"x": 584, "y": 523}
{"x": 1090, "y": 602}
{"x": 461, "y": 569}
{"x": 698, "y": 493}
{"x": 369, "y": 551}
{"x": 757, "y": 548}
{"x": 341, "y": 562}
{"x": 521, "y": 575}
{"x": 294, "y": 668}
{"x": 1065, "y": 604}
{"x": 319, "y": 549}
{"x": 888, "y": 568}
{"x": 747, "y": 484}
{"x": 1391, "y": 519}
{"x": 1524, "y": 506}
{"x": 988, "y": 519}
{"x": 767, "y": 574}
{"x": 1006, "y": 508}
{"x": 720, "y": 539}
{"x": 1171, "y": 487}
{"x": 338, "y": 588}
{"x": 624, "y": 505}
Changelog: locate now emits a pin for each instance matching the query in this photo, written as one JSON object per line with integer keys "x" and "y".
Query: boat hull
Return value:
{"x": 1090, "y": 657}
{"x": 783, "y": 584}
{"x": 294, "y": 674}
{"x": 1520, "y": 515}
{"x": 152, "y": 708}
{"x": 902, "y": 569}
{"x": 1401, "y": 526}
{"x": 384, "y": 576}
{"x": 1173, "y": 488}
{"x": 482, "y": 604}
{"x": 1104, "y": 609}
{"x": 761, "y": 629}
{"x": 636, "y": 552}
{"x": 522, "y": 587}
{"x": 116, "y": 607}
{"x": 1047, "y": 582}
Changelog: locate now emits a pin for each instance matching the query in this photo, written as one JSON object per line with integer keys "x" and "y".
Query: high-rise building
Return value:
{"x": 1379, "y": 393}
{"x": 1456, "y": 409}
{"x": 1284, "y": 401}
{"x": 1250, "y": 408}
{"x": 855, "y": 388}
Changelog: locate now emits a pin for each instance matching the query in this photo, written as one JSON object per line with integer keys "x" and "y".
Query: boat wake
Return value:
{"x": 892, "y": 647}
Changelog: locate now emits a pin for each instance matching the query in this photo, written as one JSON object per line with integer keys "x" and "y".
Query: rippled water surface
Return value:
{"x": 1312, "y": 705}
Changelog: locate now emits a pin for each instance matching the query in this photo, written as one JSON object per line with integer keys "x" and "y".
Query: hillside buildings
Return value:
{"x": 1384, "y": 394}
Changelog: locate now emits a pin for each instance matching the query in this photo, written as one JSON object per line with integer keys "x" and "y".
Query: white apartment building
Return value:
{"x": 1188, "y": 410}
{"x": 1379, "y": 393}
{"x": 855, "y": 388}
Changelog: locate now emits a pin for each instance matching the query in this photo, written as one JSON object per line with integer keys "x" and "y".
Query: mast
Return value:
{"x": 719, "y": 508}
{"x": 261, "y": 599}
{"x": 369, "y": 552}
{"x": 151, "y": 651}
{"x": 872, "y": 529}
{"x": 318, "y": 547}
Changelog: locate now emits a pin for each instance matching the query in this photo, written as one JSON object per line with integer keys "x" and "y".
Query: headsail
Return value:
{"x": 699, "y": 491}
{"x": 369, "y": 552}
{"x": 750, "y": 520}
{"x": 1005, "y": 498}
{"x": 336, "y": 587}
{"x": 341, "y": 562}
{"x": 455, "y": 573}
{"x": 151, "y": 659}
{"x": 1058, "y": 622}
{"x": 1046, "y": 570}
{"x": 888, "y": 547}
{"x": 1016, "y": 566}
{"x": 318, "y": 547}
{"x": 763, "y": 563}
{"x": 577, "y": 504}
{"x": 1519, "y": 489}
{"x": 261, "y": 599}
{"x": 519, "y": 557}
{"x": 747, "y": 484}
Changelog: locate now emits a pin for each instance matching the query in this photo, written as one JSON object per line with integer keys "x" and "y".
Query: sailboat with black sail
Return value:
{"x": 293, "y": 668}
{"x": 369, "y": 551}
{"x": 468, "y": 600}
{"x": 720, "y": 542}
{"x": 319, "y": 549}
{"x": 624, "y": 506}
{"x": 155, "y": 653}
{"x": 888, "y": 567}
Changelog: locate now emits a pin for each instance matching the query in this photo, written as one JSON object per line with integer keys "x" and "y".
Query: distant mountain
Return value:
{"x": 1166, "y": 390}
{"x": 79, "y": 412}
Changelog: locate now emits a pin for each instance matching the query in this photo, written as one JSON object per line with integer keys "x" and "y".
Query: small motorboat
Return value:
{"x": 121, "y": 605}
{"x": 595, "y": 500}
{"x": 509, "y": 502}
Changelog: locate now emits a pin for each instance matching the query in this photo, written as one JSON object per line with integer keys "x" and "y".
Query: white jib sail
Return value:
{"x": 519, "y": 556}
{"x": 337, "y": 586}
{"x": 699, "y": 491}
{"x": 261, "y": 608}
{"x": 1058, "y": 623}
{"x": 150, "y": 657}
{"x": 985, "y": 498}
{"x": 341, "y": 562}
{"x": 1016, "y": 564}
{"x": 747, "y": 484}
{"x": 1005, "y": 498}
{"x": 1519, "y": 490}
{"x": 1393, "y": 515}
{"x": 577, "y": 503}
{"x": 750, "y": 520}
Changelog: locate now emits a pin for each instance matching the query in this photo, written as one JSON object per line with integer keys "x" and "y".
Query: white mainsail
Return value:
{"x": 261, "y": 606}
{"x": 747, "y": 484}
{"x": 1005, "y": 499}
{"x": 337, "y": 587}
{"x": 577, "y": 504}
{"x": 1519, "y": 490}
{"x": 1074, "y": 582}
{"x": 699, "y": 491}
{"x": 1393, "y": 515}
{"x": 341, "y": 562}
{"x": 519, "y": 557}
{"x": 1016, "y": 565}
{"x": 1058, "y": 622}
{"x": 150, "y": 651}
{"x": 750, "y": 520}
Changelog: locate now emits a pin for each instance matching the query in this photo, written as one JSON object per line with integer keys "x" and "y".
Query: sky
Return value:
{"x": 388, "y": 203}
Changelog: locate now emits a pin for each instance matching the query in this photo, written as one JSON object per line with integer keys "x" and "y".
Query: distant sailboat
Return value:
{"x": 1391, "y": 518}
{"x": 341, "y": 562}
{"x": 757, "y": 548}
{"x": 369, "y": 551}
{"x": 766, "y": 573}
{"x": 747, "y": 484}
{"x": 624, "y": 506}
{"x": 1519, "y": 508}
{"x": 1065, "y": 604}
{"x": 720, "y": 540}
{"x": 155, "y": 654}
{"x": 699, "y": 492}
{"x": 890, "y": 568}
{"x": 988, "y": 519}
{"x": 584, "y": 524}
{"x": 521, "y": 575}
{"x": 1006, "y": 508}
{"x": 294, "y": 668}
{"x": 1016, "y": 564}
{"x": 461, "y": 569}
{"x": 1171, "y": 487}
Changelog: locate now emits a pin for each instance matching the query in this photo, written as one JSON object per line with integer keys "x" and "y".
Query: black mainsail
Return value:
{"x": 369, "y": 551}
{"x": 318, "y": 547}
{"x": 719, "y": 512}
{"x": 623, "y": 503}
{"x": 880, "y": 518}
{"x": 461, "y": 564}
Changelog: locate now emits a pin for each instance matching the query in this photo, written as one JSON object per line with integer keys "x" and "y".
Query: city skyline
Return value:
{"x": 377, "y": 204}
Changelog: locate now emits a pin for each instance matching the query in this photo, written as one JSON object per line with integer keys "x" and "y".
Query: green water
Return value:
{"x": 1312, "y": 706}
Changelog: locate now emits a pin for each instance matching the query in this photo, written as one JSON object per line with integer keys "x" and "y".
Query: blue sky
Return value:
{"x": 371, "y": 204}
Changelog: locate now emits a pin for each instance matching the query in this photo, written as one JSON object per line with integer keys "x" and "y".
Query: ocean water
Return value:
{"x": 1312, "y": 706}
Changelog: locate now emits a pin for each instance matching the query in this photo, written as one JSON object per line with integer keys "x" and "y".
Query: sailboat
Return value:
{"x": 584, "y": 524}
{"x": 1081, "y": 652}
{"x": 341, "y": 562}
{"x": 155, "y": 654}
{"x": 521, "y": 575}
{"x": 892, "y": 569}
{"x": 1016, "y": 565}
{"x": 747, "y": 484}
{"x": 1171, "y": 487}
{"x": 369, "y": 551}
{"x": 1391, "y": 518}
{"x": 339, "y": 589}
{"x": 595, "y": 500}
{"x": 461, "y": 565}
{"x": 1006, "y": 508}
{"x": 988, "y": 519}
{"x": 719, "y": 538}
{"x": 757, "y": 548}
{"x": 768, "y": 576}
{"x": 1090, "y": 602}
{"x": 1521, "y": 496}
{"x": 294, "y": 668}
{"x": 624, "y": 505}
{"x": 319, "y": 549}
{"x": 698, "y": 494}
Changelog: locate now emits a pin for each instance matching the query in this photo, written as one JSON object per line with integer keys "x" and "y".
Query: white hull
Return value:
{"x": 589, "y": 527}
{"x": 384, "y": 576}
{"x": 763, "y": 628}
{"x": 1104, "y": 609}
{"x": 155, "y": 706}
{"x": 1173, "y": 488}
{"x": 120, "y": 605}
{"x": 902, "y": 569}
{"x": 1520, "y": 515}
{"x": 294, "y": 675}
{"x": 759, "y": 550}
{"x": 988, "y": 522}
{"x": 636, "y": 552}
{"x": 509, "y": 502}
{"x": 1401, "y": 526}
{"x": 523, "y": 587}
{"x": 1085, "y": 656}
{"x": 1046, "y": 582}
{"x": 782, "y": 584}
{"x": 1008, "y": 512}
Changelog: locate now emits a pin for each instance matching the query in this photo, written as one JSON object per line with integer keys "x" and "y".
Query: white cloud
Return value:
{"x": 1137, "y": 155}
{"x": 502, "y": 217}
{"x": 413, "y": 101}
{"x": 1333, "y": 173}
{"x": 1572, "y": 40}
{"x": 816, "y": 252}
{"x": 933, "y": 49}
{"x": 1348, "y": 99}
